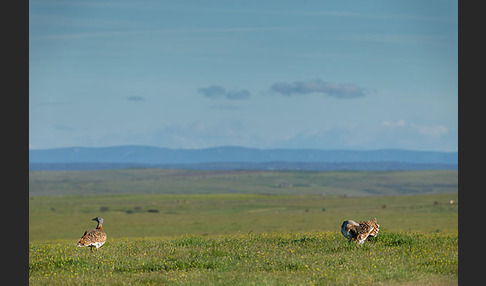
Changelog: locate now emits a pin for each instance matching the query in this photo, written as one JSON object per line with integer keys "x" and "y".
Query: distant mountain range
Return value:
{"x": 83, "y": 158}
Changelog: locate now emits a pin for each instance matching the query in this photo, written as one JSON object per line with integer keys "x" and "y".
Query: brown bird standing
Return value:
{"x": 93, "y": 237}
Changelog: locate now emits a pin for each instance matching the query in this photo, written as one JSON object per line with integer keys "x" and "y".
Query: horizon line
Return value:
{"x": 240, "y": 147}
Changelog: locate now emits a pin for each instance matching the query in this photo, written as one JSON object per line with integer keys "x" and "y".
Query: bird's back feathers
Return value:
{"x": 93, "y": 237}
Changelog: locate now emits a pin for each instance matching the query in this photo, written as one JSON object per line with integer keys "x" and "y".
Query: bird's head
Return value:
{"x": 98, "y": 219}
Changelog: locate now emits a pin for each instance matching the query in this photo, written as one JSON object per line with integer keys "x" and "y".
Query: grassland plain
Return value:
{"x": 240, "y": 239}
{"x": 244, "y": 238}
{"x": 168, "y": 181}
{"x": 169, "y": 215}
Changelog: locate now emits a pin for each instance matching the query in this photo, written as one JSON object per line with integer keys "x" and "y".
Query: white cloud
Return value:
{"x": 399, "y": 123}
{"x": 434, "y": 131}
{"x": 390, "y": 134}
{"x": 428, "y": 130}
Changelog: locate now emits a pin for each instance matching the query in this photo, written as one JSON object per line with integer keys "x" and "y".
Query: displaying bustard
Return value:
{"x": 93, "y": 237}
{"x": 360, "y": 231}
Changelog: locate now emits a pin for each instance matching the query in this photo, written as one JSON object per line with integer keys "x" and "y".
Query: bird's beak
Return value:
{"x": 94, "y": 218}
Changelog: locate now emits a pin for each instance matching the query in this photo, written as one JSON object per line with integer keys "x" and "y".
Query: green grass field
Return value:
{"x": 244, "y": 237}
{"x": 318, "y": 258}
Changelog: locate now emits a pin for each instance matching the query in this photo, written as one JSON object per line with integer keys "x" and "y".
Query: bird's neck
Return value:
{"x": 99, "y": 226}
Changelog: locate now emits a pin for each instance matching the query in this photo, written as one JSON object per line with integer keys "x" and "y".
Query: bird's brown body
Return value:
{"x": 93, "y": 237}
{"x": 359, "y": 232}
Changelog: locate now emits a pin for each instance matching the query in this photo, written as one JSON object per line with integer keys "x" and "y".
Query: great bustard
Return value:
{"x": 359, "y": 232}
{"x": 93, "y": 237}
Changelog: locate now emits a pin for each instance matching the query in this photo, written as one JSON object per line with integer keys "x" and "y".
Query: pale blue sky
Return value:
{"x": 267, "y": 74}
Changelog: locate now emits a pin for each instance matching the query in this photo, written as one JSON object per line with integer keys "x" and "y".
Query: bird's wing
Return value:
{"x": 84, "y": 240}
{"x": 91, "y": 236}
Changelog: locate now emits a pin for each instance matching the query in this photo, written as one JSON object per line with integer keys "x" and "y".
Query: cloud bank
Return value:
{"x": 217, "y": 92}
{"x": 319, "y": 86}
{"x": 428, "y": 130}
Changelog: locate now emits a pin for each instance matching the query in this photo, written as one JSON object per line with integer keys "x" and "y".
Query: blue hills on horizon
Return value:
{"x": 226, "y": 157}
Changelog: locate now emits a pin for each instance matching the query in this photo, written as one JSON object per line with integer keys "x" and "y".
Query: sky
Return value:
{"x": 357, "y": 75}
